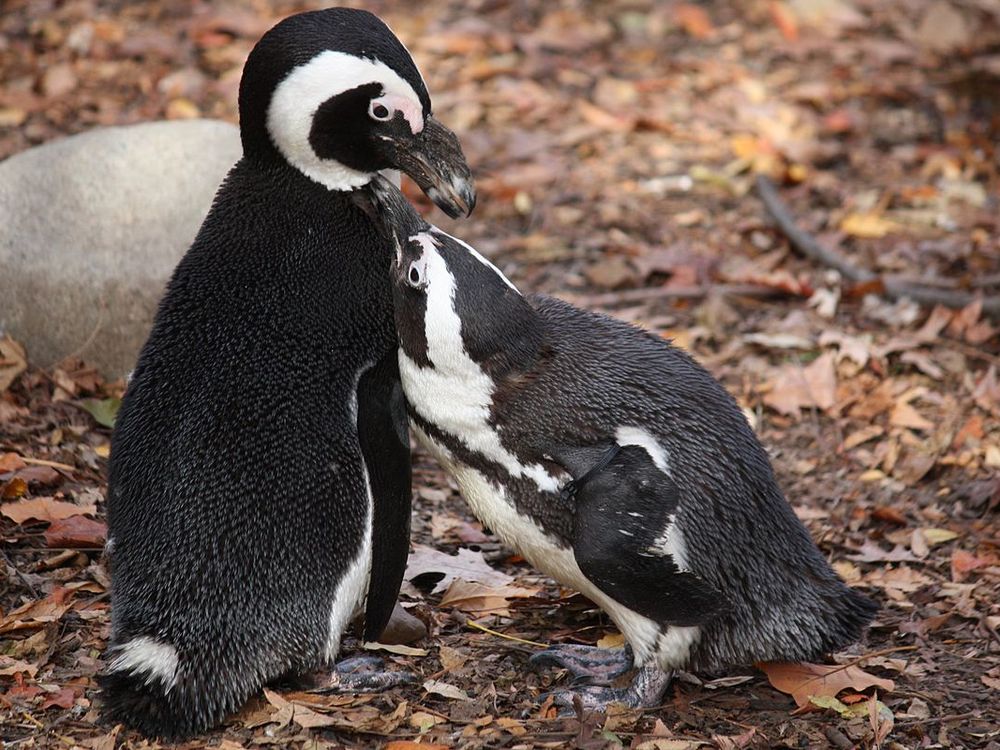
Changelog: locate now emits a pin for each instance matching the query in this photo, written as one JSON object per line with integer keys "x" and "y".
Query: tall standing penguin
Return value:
{"x": 616, "y": 464}
{"x": 259, "y": 492}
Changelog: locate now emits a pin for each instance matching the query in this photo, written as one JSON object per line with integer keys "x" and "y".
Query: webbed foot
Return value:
{"x": 363, "y": 674}
{"x": 588, "y": 664}
{"x": 645, "y": 691}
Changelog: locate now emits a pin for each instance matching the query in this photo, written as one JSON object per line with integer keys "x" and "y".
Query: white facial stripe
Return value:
{"x": 475, "y": 254}
{"x": 144, "y": 655}
{"x": 455, "y": 394}
{"x": 299, "y": 96}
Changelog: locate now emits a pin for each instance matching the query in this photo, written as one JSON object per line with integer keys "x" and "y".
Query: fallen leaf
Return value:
{"x": 784, "y": 19}
{"x": 963, "y": 563}
{"x": 943, "y": 28}
{"x": 76, "y": 531}
{"x": 10, "y": 667}
{"x": 804, "y": 681}
{"x": 422, "y": 721}
{"x": 445, "y": 689}
{"x": 934, "y": 537}
{"x": 11, "y": 462}
{"x": 694, "y": 20}
{"x": 14, "y": 489}
{"x": 871, "y": 552}
{"x": 394, "y": 648}
{"x": 64, "y": 698}
{"x": 611, "y": 640}
{"x": 285, "y": 709}
{"x": 13, "y": 361}
{"x": 480, "y": 599}
{"x": 451, "y": 658}
{"x": 513, "y": 726}
{"x": 45, "y": 509}
{"x": 410, "y": 745}
{"x": 104, "y": 411}
{"x": 467, "y": 564}
{"x": 867, "y": 225}
{"x": 796, "y": 387}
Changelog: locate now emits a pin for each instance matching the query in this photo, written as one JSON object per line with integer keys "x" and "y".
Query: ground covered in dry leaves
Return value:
{"x": 616, "y": 146}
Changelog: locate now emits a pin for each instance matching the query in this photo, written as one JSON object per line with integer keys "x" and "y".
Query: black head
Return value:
{"x": 337, "y": 96}
{"x": 453, "y": 307}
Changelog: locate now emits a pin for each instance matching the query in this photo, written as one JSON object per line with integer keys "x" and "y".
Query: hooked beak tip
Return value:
{"x": 456, "y": 197}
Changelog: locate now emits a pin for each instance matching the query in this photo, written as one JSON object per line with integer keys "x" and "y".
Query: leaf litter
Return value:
{"x": 623, "y": 177}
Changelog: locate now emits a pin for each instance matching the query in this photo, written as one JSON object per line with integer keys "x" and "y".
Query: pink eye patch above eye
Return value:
{"x": 411, "y": 110}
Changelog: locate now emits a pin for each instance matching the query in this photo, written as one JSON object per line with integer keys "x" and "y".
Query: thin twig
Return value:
{"x": 497, "y": 633}
{"x": 50, "y": 464}
{"x": 893, "y": 288}
{"x": 940, "y": 719}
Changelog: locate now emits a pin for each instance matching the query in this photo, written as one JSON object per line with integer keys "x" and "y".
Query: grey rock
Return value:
{"x": 91, "y": 228}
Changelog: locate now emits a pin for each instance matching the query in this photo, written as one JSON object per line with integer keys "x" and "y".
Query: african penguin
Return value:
{"x": 612, "y": 462}
{"x": 259, "y": 491}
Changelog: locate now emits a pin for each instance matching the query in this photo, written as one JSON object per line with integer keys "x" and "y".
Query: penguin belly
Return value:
{"x": 651, "y": 642}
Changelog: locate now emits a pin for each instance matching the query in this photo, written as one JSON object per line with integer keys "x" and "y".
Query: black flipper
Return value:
{"x": 383, "y": 431}
{"x": 622, "y": 511}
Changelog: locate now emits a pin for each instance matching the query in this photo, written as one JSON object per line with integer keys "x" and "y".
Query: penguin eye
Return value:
{"x": 415, "y": 275}
{"x": 379, "y": 111}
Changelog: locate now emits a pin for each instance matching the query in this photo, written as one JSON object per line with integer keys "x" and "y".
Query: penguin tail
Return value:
{"x": 162, "y": 699}
{"x": 848, "y": 613}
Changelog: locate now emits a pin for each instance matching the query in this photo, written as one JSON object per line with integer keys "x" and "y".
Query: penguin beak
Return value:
{"x": 434, "y": 159}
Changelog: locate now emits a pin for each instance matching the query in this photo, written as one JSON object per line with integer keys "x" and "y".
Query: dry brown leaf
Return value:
{"x": 467, "y": 564}
{"x": 451, "y": 658}
{"x": 76, "y": 531}
{"x": 410, "y": 745}
{"x": 795, "y": 388}
{"x": 694, "y": 20}
{"x": 784, "y": 19}
{"x": 943, "y": 28}
{"x": 285, "y": 709}
{"x": 904, "y": 415}
{"x": 64, "y": 698}
{"x": 963, "y": 563}
{"x": 479, "y": 599}
{"x": 11, "y": 462}
{"x": 804, "y": 681}
{"x": 867, "y": 225}
{"x": 37, "y": 613}
{"x": 10, "y": 667}
{"x": 45, "y": 509}
{"x": 13, "y": 361}
{"x": 445, "y": 689}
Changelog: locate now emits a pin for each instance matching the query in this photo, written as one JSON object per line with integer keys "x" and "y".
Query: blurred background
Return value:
{"x": 616, "y": 146}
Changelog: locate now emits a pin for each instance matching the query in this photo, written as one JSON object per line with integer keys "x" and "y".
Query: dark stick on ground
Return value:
{"x": 808, "y": 246}
{"x": 646, "y": 294}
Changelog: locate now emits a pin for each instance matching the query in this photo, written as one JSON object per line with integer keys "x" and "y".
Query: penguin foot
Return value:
{"x": 356, "y": 664}
{"x": 588, "y": 664}
{"x": 645, "y": 691}
{"x": 363, "y": 674}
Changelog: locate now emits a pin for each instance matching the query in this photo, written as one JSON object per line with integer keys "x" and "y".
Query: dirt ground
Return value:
{"x": 616, "y": 147}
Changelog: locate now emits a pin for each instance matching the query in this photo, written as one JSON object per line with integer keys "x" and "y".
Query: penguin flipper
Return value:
{"x": 383, "y": 432}
{"x": 623, "y": 517}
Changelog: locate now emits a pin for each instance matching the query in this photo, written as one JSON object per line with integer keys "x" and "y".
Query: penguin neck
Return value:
{"x": 511, "y": 345}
